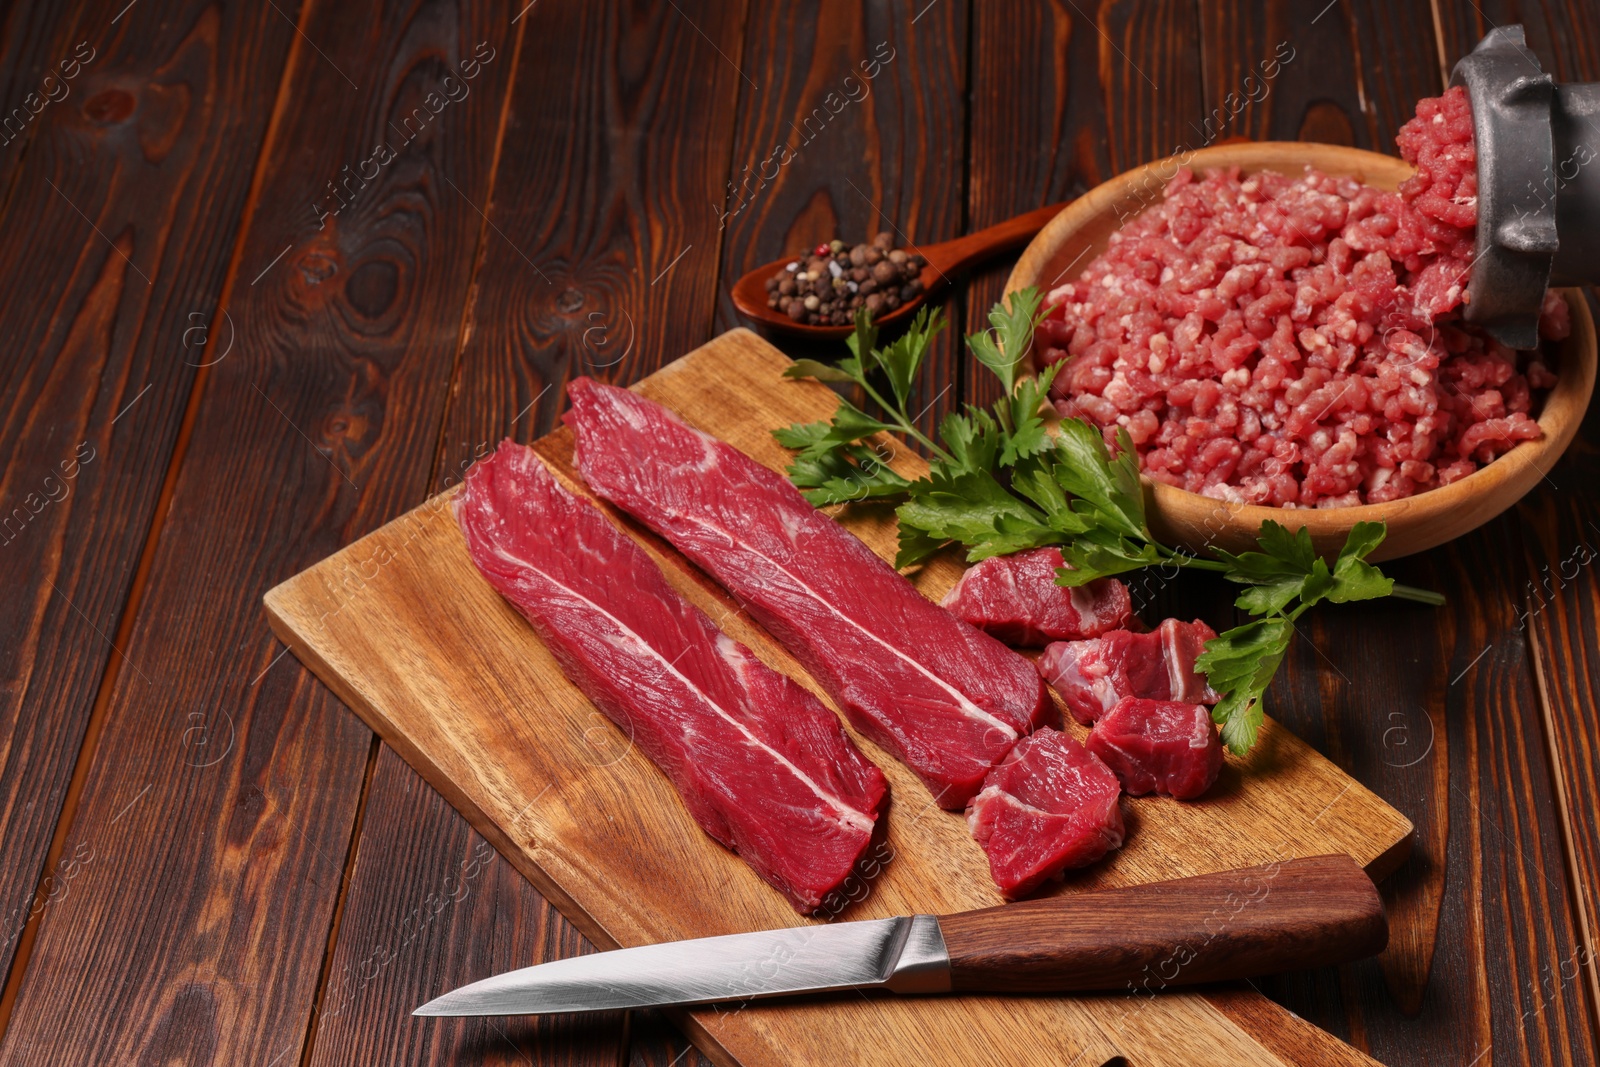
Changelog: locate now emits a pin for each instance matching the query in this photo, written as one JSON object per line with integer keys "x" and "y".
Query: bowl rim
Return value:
{"x": 1560, "y": 417}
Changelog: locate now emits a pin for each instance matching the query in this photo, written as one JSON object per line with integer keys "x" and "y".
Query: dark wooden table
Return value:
{"x": 276, "y": 271}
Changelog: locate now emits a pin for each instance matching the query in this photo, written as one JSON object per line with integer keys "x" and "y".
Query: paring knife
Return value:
{"x": 1300, "y": 913}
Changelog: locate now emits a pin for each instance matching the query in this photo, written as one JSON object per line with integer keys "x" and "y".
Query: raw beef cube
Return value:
{"x": 762, "y": 765}
{"x": 1016, "y": 599}
{"x": 1050, "y": 805}
{"x": 947, "y": 699}
{"x": 1093, "y": 675}
{"x": 1159, "y": 746}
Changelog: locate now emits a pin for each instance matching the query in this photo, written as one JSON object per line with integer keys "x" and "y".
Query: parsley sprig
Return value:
{"x": 1000, "y": 481}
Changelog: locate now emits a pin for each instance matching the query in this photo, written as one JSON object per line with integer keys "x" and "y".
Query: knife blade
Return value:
{"x": 906, "y": 954}
{"x": 1300, "y": 913}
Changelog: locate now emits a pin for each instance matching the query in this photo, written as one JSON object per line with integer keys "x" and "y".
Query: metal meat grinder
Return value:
{"x": 1538, "y": 148}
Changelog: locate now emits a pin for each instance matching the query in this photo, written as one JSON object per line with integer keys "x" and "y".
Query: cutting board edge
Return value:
{"x": 429, "y": 772}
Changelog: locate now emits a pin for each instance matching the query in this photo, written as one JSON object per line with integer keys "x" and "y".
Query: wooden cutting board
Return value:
{"x": 401, "y": 626}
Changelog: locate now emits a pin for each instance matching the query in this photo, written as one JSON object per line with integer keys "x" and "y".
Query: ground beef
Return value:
{"x": 1296, "y": 342}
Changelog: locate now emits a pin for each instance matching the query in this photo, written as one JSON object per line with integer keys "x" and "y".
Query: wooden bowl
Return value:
{"x": 1179, "y": 517}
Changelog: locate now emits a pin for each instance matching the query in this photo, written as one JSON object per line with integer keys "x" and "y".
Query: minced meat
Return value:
{"x": 1297, "y": 342}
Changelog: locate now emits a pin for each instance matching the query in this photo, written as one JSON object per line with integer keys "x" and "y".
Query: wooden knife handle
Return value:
{"x": 1297, "y": 914}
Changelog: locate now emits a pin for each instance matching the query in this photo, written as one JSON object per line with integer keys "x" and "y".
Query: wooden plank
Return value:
{"x": 439, "y": 690}
{"x": 1557, "y": 608}
{"x": 855, "y": 125}
{"x": 1563, "y": 34}
{"x": 602, "y": 255}
{"x": 432, "y": 906}
{"x": 1282, "y": 72}
{"x": 603, "y": 203}
{"x": 119, "y": 229}
{"x": 40, "y": 45}
{"x": 1396, "y": 46}
{"x": 198, "y": 932}
{"x": 654, "y": 1042}
{"x": 672, "y": 121}
{"x": 1398, "y": 697}
{"x": 1065, "y": 97}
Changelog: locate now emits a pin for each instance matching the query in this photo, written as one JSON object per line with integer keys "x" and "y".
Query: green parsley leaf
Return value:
{"x": 902, "y": 359}
{"x": 863, "y": 339}
{"x": 1353, "y": 577}
{"x": 1028, "y": 436}
{"x": 963, "y": 508}
{"x": 1106, "y": 487}
{"x": 1240, "y": 663}
{"x": 1288, "y": 569}
{"x": 1363, "y": 540}
{"x": 1283, "y": 556}
{"x": 1101, "y": 553}
{"x": 1271, "y": 598}
{"x": 1004, "y": 347}
{"x": 973, "y": 440}
{"x": 973, "y": 509}
{"x": 822, "y": 372}
{"x": 850, "y": 424}
{"x": 916, "y": 546}
{"x": 846, "y": 474}
{"x": 1294, "y": 549}
{"x": 1037, "y": 480}
{"x": 801, "y": 434}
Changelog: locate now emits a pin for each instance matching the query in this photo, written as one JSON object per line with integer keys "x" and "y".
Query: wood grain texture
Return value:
{"x": 602, "y": 252}
{"x": 1384, "y": 684}
{"x": 654, "y": 1042}
{"x": 432, "y": 906}
{"x": 1563, "y": 34}
{"x": 856, "y": 126}
{"x": 1283, "y": 1033}
{"x": 619, "y": 122}
{"x": 198, "y": 932}
{"x": 149, "y": 142}
{"x": 1397, "y": 47}
{"x": 38, "y": 41}
{"x": 1062, "y": 97}
{"x": 445, "y": 694}
{"x": 1557, "y": 608}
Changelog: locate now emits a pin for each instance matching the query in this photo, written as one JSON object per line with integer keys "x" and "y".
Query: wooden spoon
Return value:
{"x": 945, "y": 260}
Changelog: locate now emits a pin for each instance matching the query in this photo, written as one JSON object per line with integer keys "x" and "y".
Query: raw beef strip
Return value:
{"x": 1016, "y": 599}
{"x": 1093, "y": 675}
{"x": 1159, "y": 746}
{"x": 1051, "y": 805}
{"x": 944, "y": 697}
{"x": 762, "y": 765}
